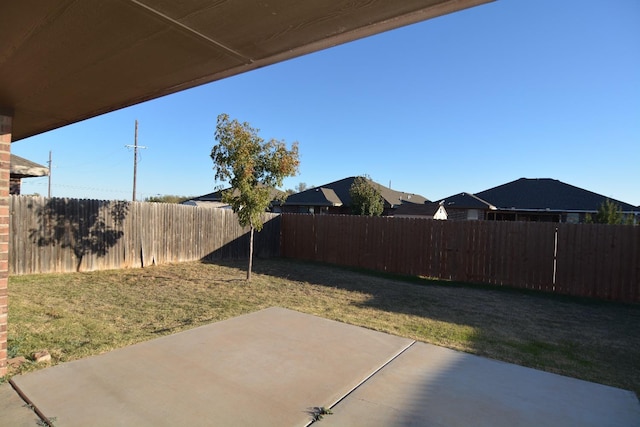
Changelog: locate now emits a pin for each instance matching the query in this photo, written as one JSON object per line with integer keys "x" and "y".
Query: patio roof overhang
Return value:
{"x": 62, "y": 61}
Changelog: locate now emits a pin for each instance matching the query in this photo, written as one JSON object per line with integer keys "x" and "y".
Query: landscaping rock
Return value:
{"x": 15, "y": 362}
{"x": 41, "y": 356}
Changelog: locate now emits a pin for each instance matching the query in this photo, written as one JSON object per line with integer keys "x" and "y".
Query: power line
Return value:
{"x": 33, "y": 182}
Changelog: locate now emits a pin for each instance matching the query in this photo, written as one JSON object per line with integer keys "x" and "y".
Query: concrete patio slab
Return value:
{"x": 433, "y": 386}
{"x": 270, "y": 368}
{"x": 267, "y": 368}
{"x": 14, "y": 412}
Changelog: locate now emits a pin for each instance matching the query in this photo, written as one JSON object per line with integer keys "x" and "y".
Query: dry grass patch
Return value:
{"x": 82, "y": 314}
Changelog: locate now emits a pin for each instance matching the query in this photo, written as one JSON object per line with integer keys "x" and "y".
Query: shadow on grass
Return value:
{"x": 588, "y": 339}
{"x": 591, "y": 340}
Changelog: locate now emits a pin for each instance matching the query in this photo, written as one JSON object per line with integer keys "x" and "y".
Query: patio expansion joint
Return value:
{"x": 30, "y": 404}
{"x": 391, "y": 359}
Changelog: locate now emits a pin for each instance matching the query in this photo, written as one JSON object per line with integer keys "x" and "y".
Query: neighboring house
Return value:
{"x": 23, "y": 168}
{"x": 429, "y": 210}
{"x": 334, "y": 198}
{"x": 532, "y": 199}
{"x": 214, "y": 200}
{"x": 466, "y": 206}
{"x": 211, "y": 200}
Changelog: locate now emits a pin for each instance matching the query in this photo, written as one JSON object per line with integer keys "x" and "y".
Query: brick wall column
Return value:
{"x": 5, "y": 160}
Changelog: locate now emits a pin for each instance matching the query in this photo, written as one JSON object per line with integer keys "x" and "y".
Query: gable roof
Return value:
{"x": 319, "y": 196}
{"x": 210, "y": 197}
{"x": 466, "y": 201}
{"x": 336, "y": 193}
{"x": 546, "y": 193}
{"x": 216, "y": 196}
{"x": 413, "y": 209}
{"x": 23, "y": 168}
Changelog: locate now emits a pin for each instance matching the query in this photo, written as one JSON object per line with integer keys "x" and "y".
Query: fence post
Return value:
{"x": 555, "y": 257}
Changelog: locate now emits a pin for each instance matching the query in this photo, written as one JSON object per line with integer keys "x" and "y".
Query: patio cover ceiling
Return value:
{"x": 62, "y": 61}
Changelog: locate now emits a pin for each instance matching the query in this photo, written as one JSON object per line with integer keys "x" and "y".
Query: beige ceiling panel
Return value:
{"x": 275, "y": 27}
{"x": 97, "y": 74}
{"x": 139, "y": 72}
{"x": 62, "y": 61}
{"x": 72, "y": 38}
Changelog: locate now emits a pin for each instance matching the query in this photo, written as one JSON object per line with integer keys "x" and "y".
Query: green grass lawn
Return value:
{"x": 82, "y": 314}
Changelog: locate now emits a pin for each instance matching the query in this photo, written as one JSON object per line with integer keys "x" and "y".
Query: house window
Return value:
{"x": 472, "y": 214}
{"x": 573, "y": 218}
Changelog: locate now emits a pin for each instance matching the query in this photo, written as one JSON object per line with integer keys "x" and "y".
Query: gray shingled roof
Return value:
{"x": 466, "y": 201}
{"x": 412, "y": 209}
{"x": 337, "y": 194}
{"x": 546, "y": 193}
{"x": 24, "y": 168}
{"x": 217, "y": 196}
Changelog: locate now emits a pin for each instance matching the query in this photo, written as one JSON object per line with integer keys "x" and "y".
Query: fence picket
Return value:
{"x": 591, "y": 260}
{"x": 62, "y": 235}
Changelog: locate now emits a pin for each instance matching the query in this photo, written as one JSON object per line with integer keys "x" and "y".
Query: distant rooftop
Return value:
{"x": 336, "y": 193}
{"x": 23, "y": 168}
{"x": 546, "y": 193}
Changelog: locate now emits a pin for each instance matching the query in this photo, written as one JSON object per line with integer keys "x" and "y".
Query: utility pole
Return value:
{"x": 135, "y": 147}
{"x": 49, "y": 190}
{"x": 135, "y": 161}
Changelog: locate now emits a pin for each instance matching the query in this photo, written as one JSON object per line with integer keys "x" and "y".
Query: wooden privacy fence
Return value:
{"x": 599, "y": 261}
{"x": 63, "y": 235}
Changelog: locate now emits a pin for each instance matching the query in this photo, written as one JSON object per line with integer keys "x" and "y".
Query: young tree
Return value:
{"x": 608, "y": 213}
{"x": 252, "y": 167}
{"x": 365, "y": 198}
{"x": 299, "y": 188}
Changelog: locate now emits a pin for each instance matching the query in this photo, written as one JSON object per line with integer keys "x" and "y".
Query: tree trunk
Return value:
{"x": 250, "y": 254}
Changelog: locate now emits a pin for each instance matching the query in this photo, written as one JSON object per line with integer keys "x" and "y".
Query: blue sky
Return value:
{"x": 463, "y": 102}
